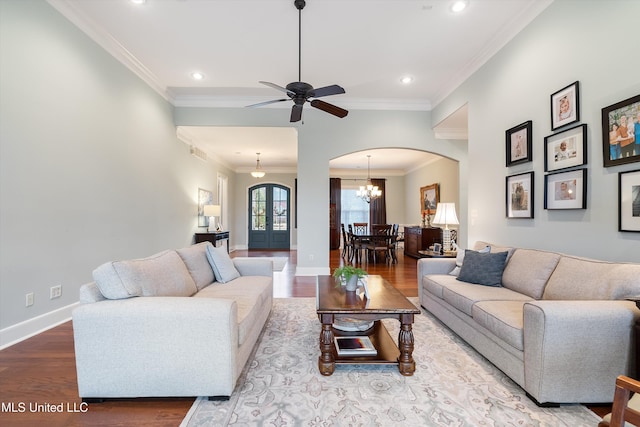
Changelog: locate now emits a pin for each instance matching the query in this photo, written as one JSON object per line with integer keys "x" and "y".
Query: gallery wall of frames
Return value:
{"x": 565, "y": 158}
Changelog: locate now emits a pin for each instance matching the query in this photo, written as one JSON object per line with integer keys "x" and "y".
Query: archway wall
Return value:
{"x": 323, "y": 137}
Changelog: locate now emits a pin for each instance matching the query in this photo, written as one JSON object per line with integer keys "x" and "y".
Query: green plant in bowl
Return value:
{"x": 349, "y": 275}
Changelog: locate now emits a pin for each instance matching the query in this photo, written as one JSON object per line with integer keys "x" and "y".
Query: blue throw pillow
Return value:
{"x": 483, "y": 268}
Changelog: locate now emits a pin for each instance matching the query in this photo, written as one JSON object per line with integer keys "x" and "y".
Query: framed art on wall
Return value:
{"x": 429, "y": 199}
{"x": 621, "y": 132}
{"x": 565, "y": 106}
{"x": 566, "y": 149}
{"x": 205, "y": 197}
{"x": 566, "y": 190}
{"x": 629, "y": 201}
{"x": 518, "y": 144}
{"x": 519, "y": 195}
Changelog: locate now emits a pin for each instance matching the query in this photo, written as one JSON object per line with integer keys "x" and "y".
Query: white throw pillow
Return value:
{"x": 222, "y": 265}
{"x": 460, "y": 259}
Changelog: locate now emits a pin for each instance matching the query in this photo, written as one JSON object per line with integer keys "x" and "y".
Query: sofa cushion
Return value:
{"x": 460, "y": 259}
{"x": 483, "y": 269}
{"x": 250, "y": 293}
{"x": 583, "y": 279}
{"x": 436, "y": 283}
{"x": 529, "y": 270}
{"x": 503, "y": 318}
{"x": 222, "y": 265}
{"x": 463, "y": 295}
{"x": 195, "y": 258}
{"x": 162, "y": 274}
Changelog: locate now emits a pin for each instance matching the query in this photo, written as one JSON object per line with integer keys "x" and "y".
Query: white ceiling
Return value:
{"x": 365, "y": 46}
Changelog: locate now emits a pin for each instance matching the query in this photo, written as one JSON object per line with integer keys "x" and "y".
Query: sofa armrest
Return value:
{"x": 577, "y": 348}
{"x": 428, "y": 266}
{"x": 146, "y": 346}
{"x": 254, "y": 267}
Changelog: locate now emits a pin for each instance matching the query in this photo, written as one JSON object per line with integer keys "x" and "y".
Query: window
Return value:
{"x": 354, "y": 209}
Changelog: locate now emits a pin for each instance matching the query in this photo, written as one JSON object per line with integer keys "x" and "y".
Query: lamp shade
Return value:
{"x": 211, "y": 210}
{"x": 446, "y": 214}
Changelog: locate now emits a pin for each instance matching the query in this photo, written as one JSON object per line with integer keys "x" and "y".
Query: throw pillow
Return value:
{"x": 460, "y": 259}
{"x": 222, "y": 265}
{"x": 483, "y": 269}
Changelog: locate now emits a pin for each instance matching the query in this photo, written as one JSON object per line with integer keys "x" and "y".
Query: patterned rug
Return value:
{"x": 452, "y": 386}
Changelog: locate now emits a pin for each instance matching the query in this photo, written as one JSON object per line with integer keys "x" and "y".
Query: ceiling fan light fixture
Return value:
{"x": 258, "y": 172}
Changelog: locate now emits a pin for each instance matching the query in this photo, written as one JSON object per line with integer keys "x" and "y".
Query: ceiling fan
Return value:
{"x": 300, "y": 92}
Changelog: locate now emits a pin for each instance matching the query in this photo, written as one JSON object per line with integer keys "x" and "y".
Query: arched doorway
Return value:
{"x": 269, "y": 217}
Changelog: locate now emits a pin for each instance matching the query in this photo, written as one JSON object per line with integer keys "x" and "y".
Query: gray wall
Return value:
{"x": 90, "y": 166}
{"x": 595, "y": 42}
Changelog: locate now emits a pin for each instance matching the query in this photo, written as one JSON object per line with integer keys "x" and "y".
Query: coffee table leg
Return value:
{"x": 326, "y": 361}
{"x": 406, "y": 364}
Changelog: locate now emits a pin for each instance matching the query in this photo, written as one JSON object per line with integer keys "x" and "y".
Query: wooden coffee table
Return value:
{"x": 333, "y": 302}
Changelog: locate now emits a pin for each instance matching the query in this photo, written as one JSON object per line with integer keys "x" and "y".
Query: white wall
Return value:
{"x": 445, "y": 173}
{"x": 323, "y": 137}
{"x": 594, "y": 42}
{"x": 90, "y": 166}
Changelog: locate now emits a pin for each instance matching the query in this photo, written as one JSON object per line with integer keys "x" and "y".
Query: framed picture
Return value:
{"x": 205, "y": 197}
{"x": 566, "y": 190}
{"x": 429, "y": 199}
{"x": 565, "y": 106}
{"x": 518, "y": 141}
{"x": 629, "y": 201}
{"x": 566, "y": 149}
{"x": 621, "y": 132}
{"x": 519, "y": 195}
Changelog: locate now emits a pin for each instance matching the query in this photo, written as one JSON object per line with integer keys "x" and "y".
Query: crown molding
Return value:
{"x": 108, "y": 43}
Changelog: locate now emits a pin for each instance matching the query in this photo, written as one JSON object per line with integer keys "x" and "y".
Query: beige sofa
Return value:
{"x": 558, "y": 325}
{"x": 166, "y": 326}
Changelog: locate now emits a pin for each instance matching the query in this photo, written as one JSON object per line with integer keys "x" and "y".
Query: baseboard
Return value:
{"x": 312, "y": 271}
{"x": 23, "y": 330}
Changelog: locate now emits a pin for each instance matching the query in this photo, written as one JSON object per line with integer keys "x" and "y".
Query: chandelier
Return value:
{"x": 371, "y": 191}
{"x": 258, "y": 173}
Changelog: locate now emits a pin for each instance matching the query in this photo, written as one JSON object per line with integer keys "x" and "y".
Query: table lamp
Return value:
{"x": 212, "y": 211}
{"x": 446, "y": 215}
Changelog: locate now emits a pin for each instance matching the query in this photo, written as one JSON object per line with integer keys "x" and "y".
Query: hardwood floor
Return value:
{"x": 41, "y": 370}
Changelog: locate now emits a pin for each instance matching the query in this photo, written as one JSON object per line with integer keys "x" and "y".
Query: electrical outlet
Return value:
{"x": 29, "y": 299}
{"x": 55, "y": 292}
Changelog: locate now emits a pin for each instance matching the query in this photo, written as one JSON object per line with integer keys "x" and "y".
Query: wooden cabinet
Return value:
{"x": 419, "y": 239}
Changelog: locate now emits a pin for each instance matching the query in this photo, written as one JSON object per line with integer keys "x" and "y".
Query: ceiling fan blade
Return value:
{"x": 296, "y": 113}
{"x": 326, "y": 91}
{"x": 260, "y": 104}
{"x": 329, "y": 108}
{"x": 276, "y": 87}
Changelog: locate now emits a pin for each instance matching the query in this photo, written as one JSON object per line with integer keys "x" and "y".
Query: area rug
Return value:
{"x": 452, "y": 386}
{"x": 278, "y": 262}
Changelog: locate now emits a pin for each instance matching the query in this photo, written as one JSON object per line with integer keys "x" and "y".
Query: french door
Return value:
{"x": 269, "y": 219}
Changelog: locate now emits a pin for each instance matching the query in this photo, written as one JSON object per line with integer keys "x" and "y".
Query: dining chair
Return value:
{"x": 360, "y": 227}
{"x": 380, "y": 240}
{"x": 347, "y": 244}
{"x": 356, "y": 245}
{"x": 393, "y": 243}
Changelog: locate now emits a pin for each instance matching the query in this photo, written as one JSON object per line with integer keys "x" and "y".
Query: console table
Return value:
{"x": 213, "y": 237}
{"x": 419, "y": 239}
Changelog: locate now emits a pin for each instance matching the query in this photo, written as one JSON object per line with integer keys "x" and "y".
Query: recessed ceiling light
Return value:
{"x": 459, "y": 5}
{"x": 197, "y": 75}
{"x": 406, "y": 80}
{"x": 138, "y": 1}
